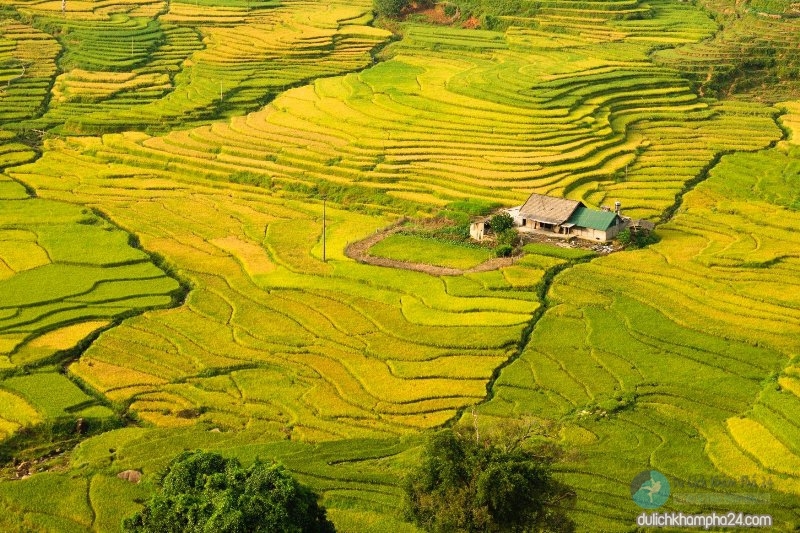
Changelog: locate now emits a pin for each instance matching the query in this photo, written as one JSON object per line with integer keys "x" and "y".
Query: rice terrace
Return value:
{"x": 325, "y": 234}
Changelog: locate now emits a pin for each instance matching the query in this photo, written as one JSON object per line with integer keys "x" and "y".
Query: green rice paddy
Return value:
{"x": 414, "y": 249}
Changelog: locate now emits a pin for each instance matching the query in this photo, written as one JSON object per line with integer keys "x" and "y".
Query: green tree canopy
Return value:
{"x": 501, "y": 222}
{"x": 204, "y": 492}
{"x": 491, "y": 485}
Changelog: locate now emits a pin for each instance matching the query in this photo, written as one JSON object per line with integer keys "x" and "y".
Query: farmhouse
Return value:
{"x": 565, "y": 217}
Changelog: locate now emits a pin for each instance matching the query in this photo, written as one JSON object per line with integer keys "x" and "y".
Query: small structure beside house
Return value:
{"x": 568, "y": 218}
{"x": 477, "y": 230}
{"x": 641, "y": 225}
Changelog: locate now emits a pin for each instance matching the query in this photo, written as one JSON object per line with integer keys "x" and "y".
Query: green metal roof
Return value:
{"x": 590, "y": 218}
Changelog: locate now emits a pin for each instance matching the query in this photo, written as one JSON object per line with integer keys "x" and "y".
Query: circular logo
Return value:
{"x": 650, "y": 489}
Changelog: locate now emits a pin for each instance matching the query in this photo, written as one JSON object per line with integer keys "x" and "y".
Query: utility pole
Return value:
{"x": 324, "y": 200}
{"x": 220, "y": 91}
{"x": 475, "y": 423}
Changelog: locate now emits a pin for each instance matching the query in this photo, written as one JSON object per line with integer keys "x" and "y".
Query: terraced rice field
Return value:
{"x": 415, "y": 249}
{"x": 693, "y": 345}
{"x": 588, "y": 128}
{"x": 201, "y": 136}
{"x": 155, "y": 66}
{"x": 756, "y": 53}
{"x": 323, "y": 366}
{"x": 65, "y": 274}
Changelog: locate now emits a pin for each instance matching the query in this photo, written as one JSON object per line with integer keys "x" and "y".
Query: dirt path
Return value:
{"x": 359, "y": 251}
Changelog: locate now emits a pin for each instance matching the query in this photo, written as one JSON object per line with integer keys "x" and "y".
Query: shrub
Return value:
{"x": 508, "y": 237}
{"x": 203, "y": 491}
{"x": 501, "y": 222}
{"x": 503, "y": 250}
{"x": 636, "y": 239}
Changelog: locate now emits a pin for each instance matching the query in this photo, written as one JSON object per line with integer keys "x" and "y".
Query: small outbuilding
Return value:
{"x": 479, "y": 229}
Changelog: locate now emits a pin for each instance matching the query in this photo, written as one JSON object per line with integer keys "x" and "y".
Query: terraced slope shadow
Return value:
{"x": 680, "y": 357}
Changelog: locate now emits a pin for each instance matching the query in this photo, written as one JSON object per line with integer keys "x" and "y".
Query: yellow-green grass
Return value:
{"x": 416, "y": 249}
{"x": 16, "y": 413}
{"x": 559, "y": 252}
{"x": 758, "y": 442}
{"x": 51, "y": 393}
{"x": 791, "y": 120}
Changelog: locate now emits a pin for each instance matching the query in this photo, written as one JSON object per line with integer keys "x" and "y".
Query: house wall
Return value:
{"x": 596, "y": 234}
{"x": 589, "y": 234}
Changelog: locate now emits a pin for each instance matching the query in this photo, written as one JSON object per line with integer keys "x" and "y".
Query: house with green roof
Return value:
{"x": 568, "y": 218}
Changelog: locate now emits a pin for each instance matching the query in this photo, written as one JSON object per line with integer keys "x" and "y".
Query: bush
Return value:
{"x": 205, "y": 492}
{"x": 471, "y": 485}
{"x": 503, "y": 250}
{"x": 389, "y": 8}
{"x": 508, "y": 237}
{"x": 501, "y": 222}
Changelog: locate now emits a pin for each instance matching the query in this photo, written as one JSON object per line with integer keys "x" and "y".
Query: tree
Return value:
{"x": 501, "y": 222}
{"x": 204, "y": 492}
{"x": 490, "y": 485}
{"x": 389, "y": 8}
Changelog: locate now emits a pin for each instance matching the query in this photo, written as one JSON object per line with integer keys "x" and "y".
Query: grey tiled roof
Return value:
{"x": 548, "y": 209}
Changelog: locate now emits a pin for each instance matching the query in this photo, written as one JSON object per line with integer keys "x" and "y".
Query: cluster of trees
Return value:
{"x": 636, "y": 238}
{"x": 465, "y": 483}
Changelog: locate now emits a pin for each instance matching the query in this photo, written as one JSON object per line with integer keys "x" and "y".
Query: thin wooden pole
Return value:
{"x": 324, "y": 199}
